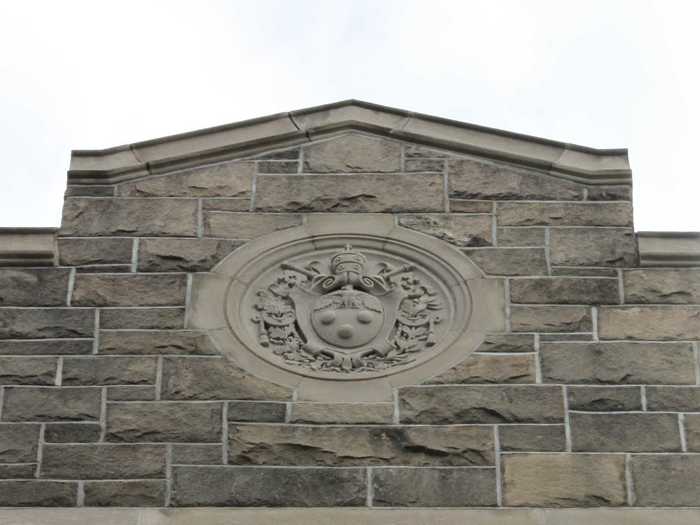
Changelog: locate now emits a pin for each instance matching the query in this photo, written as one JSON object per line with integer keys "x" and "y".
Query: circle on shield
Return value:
{"x": 347, "y": 318}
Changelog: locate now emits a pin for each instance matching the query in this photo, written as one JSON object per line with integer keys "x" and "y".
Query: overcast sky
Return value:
{"x": 95, "y": 74}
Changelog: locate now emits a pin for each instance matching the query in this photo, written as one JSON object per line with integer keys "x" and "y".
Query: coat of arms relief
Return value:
{"x": 348, "y": 313}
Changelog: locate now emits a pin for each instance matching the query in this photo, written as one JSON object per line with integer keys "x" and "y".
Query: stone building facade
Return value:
{"x": 350, "y": 306}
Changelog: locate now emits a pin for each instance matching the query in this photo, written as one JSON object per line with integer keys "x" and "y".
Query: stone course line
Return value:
{"x": 159, "y": 377}
{"x": 681, "y": 429}
{"x": 567, "y": 419}
{"x": 71, "y": 284}
{"x": 59, "y": 371}
{"x": 547, "y": 251}
{"x": 168, "y": 474}
{"x": 370, "y": 487}
{"x": 135, "y": 255}
{"x": 103, "y": 414}
{"x": 40, "y": 451}
{"x": 629, "y": 481}
{"x": 497, "y": 456}
{"x": 224, "y": 433}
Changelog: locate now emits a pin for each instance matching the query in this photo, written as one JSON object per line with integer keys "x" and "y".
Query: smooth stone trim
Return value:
{"x": 669, "y": 248}
{"x": 239, "y": 139}
{"x": 28, "y": 246}
{"x": 344, "y": 516}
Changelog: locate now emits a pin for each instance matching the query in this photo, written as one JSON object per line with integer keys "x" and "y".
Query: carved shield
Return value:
{"x": 345, "y": 319}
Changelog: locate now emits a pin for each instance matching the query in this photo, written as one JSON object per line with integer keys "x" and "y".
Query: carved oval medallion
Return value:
{"x": 327, "y": 302}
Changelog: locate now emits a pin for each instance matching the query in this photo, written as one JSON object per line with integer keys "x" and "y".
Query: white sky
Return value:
{"x": 94, "y": 74}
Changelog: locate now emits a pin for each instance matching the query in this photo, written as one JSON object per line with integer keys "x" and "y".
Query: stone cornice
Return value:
{"x": 669, "y": 248}
{"x": 27, "y": 246}
{"x": 245, "y": 138}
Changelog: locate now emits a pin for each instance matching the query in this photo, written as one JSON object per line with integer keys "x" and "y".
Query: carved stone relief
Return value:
{"x": 349, "y": 311}
{"x": 342, "y": 314}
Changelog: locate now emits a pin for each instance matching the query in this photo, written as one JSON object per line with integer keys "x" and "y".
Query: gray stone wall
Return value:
{"x": 591, "y": 397}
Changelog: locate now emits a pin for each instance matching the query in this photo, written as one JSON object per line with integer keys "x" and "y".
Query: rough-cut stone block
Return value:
{"x": 230, "y": 179}
{"x": 592, "y": 247}
{"x": 18, "y": 471}
{"x": 125, "y": 217}
{"x": 481, "y": 404}
{"x": 424, "y": 165}
{"x": 226, "y": 204}
{"x": 79, "y": 252}
{"x": 284, "y": 154}
{"x": 352, "y": 153}
{"x": 198, "y": 379}
{"x": 469, "y": 206}
{"x": 679, "y": 285}
{"x": 260, "y": 487}
{"x": 611, "y": 363}
{"x": 411, "y": 151}
{"x": 182, "y": 255}
{"x": 489, "y": 369}
{"x": 164, "y": 422}
{"x": 507, "y": 343}
{"x": 33, "y": 286}
{"x": 691, "y": 424}
{"x": 673, "y": 399}
{"x": 142, "y": 318}
{"x": 551, "y": 319}
{"x": 532, "y": 438}
{"x": 583, "y": 271}
{"x": 428, "y": 487}
{"x": 509, "y": 261}
{"x": 563, "y": 480}
{"x": 38, "y": 494}
{"x": 565, "y": 214}
{"x": 72, "y": 433}
{"x": 469, "y": 179}
{"x": 40, "y": 323}
{"x": 18, "y": 443}
{"x": 609, "y": 193}
{"x": 370, "y": 192}
{"x": 155, "y": 342}
{"x": 650, "y": 322}
{"x": 93, "y": 190}
{"x": 51, "y": 404}
{"x": 125, "y": 493}
{"x": 625, "y": 433}
{"x": 131, "y": 393}
{"x": 103, "y": 461}
{"x": 460, "y": 230}
{"x": 82, "y": 371}
{"x": 46, "y": 347}
{"x": 27, "y": 370}
{"x": 197, "y": 455}
{"x": 565, "y": 338}
{"x": 343, "y": 413}
{"x": 330, "y": 446}
{"x": 129, "y": 290}
{"x": 604, "y": 399}
{"x": 247, "y": 225}
{"x": 104, "y": 268}
{"x": 565, "y": 290}
{"x": 668, "y": 480}
{"x": 257, "y": 412}
{"x": 278, "y": 166}
{"x": 520, "y": 236}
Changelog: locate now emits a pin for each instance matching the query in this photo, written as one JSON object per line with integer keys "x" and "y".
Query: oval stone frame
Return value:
{"x": 219, "y": 300}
